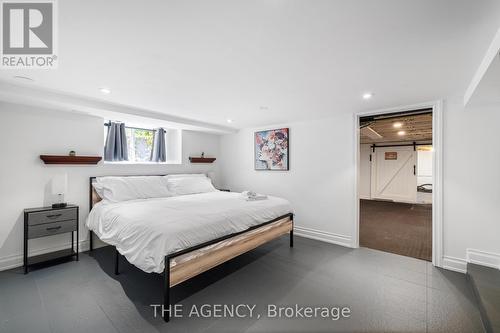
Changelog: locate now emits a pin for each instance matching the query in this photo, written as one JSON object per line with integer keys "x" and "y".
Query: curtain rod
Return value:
{"x": 139, "y": 128}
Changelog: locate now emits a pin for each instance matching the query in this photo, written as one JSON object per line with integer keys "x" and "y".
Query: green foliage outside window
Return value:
{"x": 140, "y": 144}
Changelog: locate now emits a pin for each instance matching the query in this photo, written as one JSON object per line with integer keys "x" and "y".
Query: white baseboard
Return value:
{"x": 365, "y": 197}
{"x": 323, "y": 236}
{"x": 483, "y": 258}
{"x": 16, "y": 260}
{"x": 455, "y": 264}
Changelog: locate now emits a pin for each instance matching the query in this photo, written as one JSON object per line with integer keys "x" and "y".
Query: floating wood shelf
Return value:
{"x": 202, "y": 159}
{"x": 59, "y": 159}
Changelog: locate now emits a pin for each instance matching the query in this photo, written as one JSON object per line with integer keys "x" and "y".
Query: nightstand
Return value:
{"x": 48, "y": 221}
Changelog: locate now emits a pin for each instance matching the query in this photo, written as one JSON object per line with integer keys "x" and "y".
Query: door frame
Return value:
{"x": 437, "y": 173}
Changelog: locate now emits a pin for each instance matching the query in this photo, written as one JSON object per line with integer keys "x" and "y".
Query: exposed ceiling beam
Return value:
{"x": 371, "y": 133}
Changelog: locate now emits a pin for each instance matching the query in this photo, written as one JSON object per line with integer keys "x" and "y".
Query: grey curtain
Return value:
{"x": 159, "y": 152}
{"x": 116, "y": 143}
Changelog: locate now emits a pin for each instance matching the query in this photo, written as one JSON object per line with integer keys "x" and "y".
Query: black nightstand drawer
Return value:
{"x": 50, "y": 216}
{"x": 48, "y": 229}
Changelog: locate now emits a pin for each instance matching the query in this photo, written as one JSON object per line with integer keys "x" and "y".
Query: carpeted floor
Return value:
{"x": 399, "y": 228}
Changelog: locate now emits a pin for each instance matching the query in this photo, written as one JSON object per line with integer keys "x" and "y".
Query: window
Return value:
{"x": 140, "y": 144}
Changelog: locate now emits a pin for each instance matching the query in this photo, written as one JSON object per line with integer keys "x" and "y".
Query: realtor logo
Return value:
{"x": 28, "y": 34}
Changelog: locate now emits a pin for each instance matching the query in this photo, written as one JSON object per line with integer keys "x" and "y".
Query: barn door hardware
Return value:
{"x": 414, "y": 145}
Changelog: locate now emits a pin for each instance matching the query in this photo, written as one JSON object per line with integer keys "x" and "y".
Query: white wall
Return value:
{"x": 320, "y": 182}
{"x": 26, "y": 132}
{"x": 365, "y": 171}
{"x": 424, "y": 167}
{"x": 471, "y": 179}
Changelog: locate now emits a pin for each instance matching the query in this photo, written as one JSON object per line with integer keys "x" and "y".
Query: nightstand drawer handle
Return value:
{"x": 53, "y": 228}
{"x": 53, "y": 216}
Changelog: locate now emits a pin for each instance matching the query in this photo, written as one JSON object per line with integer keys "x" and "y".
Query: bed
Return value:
{"x": 183, "y": 235}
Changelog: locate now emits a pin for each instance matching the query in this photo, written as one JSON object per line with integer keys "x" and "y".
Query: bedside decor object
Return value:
{"x": 47, "y": 221}
{"x": 202, "y": 159}
{"x": 202, "y": 154}
{"x": 62, "y": 159}
{"x": 59, "y": 188}
{"x": 72, "y": 153}
{"x": 271, "y": 149}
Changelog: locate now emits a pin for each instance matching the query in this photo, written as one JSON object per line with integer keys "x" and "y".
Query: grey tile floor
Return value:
{"x": 385, "y": 292}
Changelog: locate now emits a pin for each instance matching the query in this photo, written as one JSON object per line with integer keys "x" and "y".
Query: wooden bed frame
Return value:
{"x": 185, "y": 264}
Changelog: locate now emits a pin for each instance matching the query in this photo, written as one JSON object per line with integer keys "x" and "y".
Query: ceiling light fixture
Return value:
{"x": 397, "y": 125}
{"x": 105, "y": 91}
{"x": 229, "y": 121}
{"x": 401, "y": 133}
{"x": 24, "y": 78}
{"x": 367, "y": 95}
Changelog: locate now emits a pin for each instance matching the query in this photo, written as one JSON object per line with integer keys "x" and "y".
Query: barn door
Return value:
{"x": 393, "y": 174}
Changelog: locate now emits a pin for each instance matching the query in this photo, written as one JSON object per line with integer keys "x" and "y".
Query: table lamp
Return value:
{"x": 59, "y": 188}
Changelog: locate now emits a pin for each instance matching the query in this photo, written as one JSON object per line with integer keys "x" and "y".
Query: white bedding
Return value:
{"x": 146, "y": 230}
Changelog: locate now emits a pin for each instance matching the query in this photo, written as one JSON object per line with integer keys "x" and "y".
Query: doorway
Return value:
{"x": 398, "y": 179}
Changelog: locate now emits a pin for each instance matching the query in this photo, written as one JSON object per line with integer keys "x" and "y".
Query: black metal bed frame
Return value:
{"x": 166, "y": 271}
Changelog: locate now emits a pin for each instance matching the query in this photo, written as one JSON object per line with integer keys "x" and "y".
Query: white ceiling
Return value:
{"x": 488, "y": 90}
{"x": 261, "y": 62}
{"x": 485, "y": 86}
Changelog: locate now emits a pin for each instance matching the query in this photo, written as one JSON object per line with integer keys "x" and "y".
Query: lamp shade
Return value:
{"x": 59, "y": 184}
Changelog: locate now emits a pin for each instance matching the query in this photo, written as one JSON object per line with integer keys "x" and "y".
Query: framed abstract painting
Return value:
{"x": 271, "y": 149}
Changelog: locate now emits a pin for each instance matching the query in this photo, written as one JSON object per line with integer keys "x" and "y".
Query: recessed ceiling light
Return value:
{"x": 105, "y": 91}
{"x": 367, "y": 95}
{"x": 401, "y": 133}
{"x": 229, "y": 121}
{"x": 24, "y": 78}
{"x": 397, "y": 125}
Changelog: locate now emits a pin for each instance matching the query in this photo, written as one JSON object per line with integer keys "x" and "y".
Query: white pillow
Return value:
{"x": 116, "y": 189}
{"x": 189, "y": 184}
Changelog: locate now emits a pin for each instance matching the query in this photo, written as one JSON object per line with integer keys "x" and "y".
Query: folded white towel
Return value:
{"x": 252, "y": 196}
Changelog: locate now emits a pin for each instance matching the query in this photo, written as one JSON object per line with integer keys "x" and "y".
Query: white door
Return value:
{"x": 393, "y": 174}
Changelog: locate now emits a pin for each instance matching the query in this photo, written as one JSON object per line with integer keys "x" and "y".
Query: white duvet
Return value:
{"x": 146, "y": 230}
